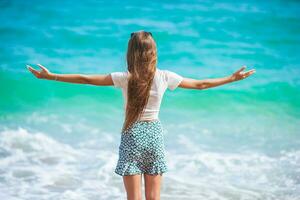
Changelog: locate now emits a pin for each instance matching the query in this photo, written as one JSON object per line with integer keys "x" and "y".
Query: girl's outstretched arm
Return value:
{"x": 101, "y": 79}
{"x": 208, "y": 83}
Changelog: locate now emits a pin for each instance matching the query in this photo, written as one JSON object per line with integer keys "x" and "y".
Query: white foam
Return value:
{"x": 35, "y": 166}
{"x": 243, "y": 175}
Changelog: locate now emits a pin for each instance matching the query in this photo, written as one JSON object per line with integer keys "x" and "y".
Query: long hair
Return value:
{"x": 141, "y": 63}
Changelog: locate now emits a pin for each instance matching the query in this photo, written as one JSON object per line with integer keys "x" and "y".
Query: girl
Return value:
{"x": 141, "y": 150}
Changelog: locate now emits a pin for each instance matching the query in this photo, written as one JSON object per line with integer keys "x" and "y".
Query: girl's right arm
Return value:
{"x": 214, "y": 82}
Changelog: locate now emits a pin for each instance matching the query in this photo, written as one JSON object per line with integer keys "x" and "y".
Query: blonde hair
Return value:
{"x": 141, "y": 63}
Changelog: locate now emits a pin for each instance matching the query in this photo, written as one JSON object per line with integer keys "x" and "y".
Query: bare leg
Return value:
{"x": 152, "y": 186}
{"x": 133, "y": 187}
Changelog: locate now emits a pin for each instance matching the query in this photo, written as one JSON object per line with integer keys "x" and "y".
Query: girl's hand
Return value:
{"x": 43, "y": 74}
{"x": 239, "y": 75}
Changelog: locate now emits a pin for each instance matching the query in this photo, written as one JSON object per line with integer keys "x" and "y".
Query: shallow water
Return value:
{"x": 237, "y": 141}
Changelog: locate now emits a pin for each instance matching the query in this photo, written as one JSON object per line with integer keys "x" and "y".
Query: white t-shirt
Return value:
{"x": 163, "y": 79}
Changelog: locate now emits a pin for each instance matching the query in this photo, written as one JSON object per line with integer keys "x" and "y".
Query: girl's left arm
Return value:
{"x": 101, "y": 79}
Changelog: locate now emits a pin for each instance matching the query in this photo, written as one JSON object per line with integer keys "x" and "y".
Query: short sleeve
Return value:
{"x": 172, "y": 79}
{"x": 119, "y": 79}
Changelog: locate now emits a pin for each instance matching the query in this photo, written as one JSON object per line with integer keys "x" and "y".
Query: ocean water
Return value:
{"x": 236, "y": 141}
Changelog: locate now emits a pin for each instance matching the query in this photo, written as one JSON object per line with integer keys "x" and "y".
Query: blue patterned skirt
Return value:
{"x": 142, "y": 149}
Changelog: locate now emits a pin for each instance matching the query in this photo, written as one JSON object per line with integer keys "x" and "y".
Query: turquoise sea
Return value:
{"x": 240, "y": 141}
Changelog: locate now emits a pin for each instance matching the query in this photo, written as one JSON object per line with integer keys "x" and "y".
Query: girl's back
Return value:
{"x": 163, "y": 79}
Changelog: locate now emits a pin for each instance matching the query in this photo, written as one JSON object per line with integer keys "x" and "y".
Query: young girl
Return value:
{"x": 141, "y": 150}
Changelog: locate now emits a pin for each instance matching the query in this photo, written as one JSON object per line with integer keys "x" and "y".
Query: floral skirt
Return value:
{"x": 142, "y": 149}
